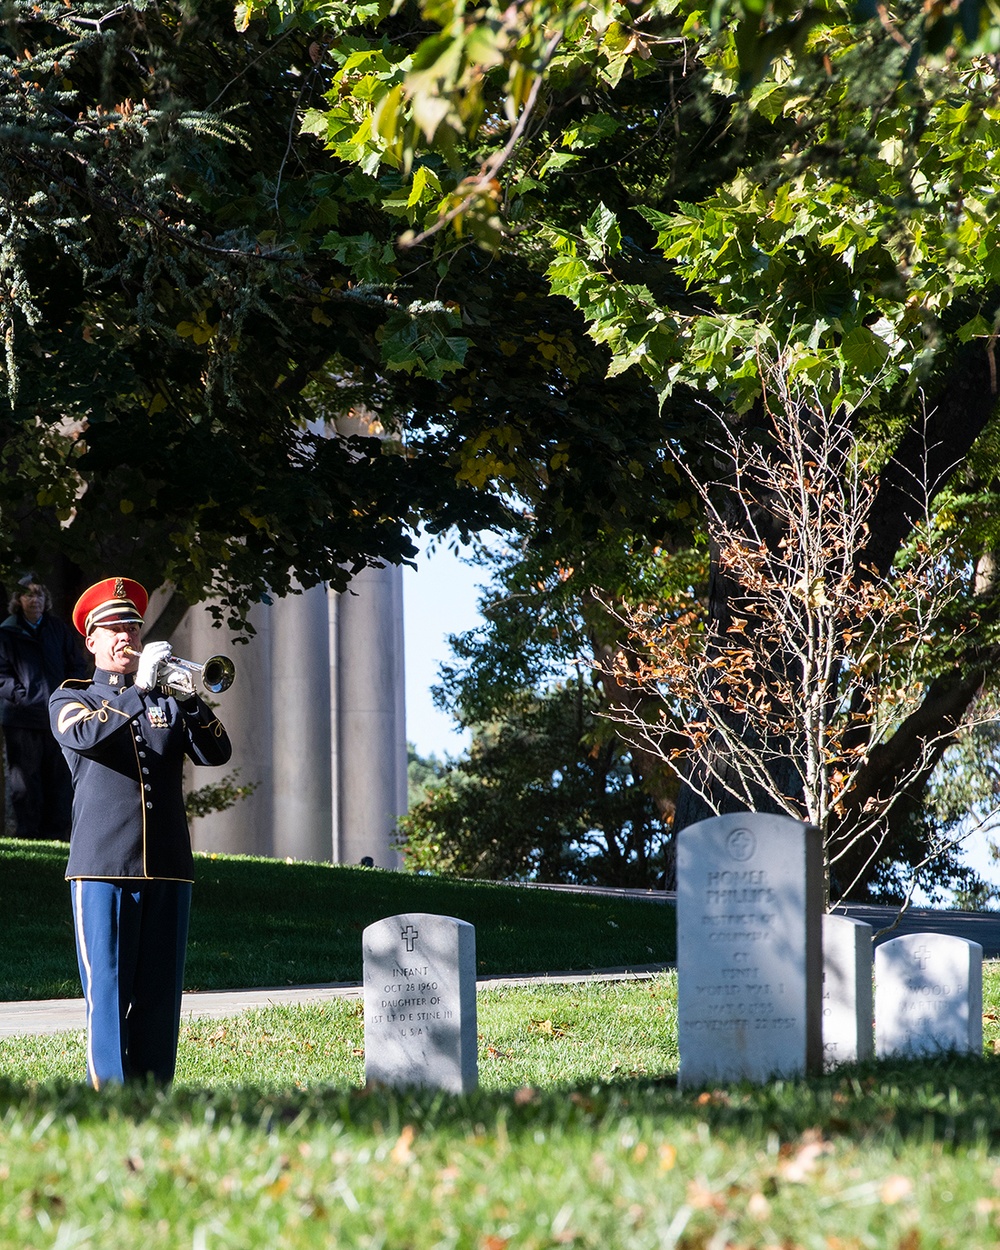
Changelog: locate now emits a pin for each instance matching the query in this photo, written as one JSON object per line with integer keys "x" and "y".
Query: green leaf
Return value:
{"x": 603, "y": 225}
{"x": 864, "y": 351}
{"x": 978, "y": 327}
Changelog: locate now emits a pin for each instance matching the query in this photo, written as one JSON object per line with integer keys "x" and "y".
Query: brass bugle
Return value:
{"x": 217, "y": 673}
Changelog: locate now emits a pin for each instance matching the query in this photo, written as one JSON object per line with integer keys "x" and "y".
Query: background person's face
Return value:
{"x": 32, "y": 601}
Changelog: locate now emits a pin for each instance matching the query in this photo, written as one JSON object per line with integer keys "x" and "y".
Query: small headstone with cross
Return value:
{"x": 420, "y": 1002}
{"x": 928, "y": 995}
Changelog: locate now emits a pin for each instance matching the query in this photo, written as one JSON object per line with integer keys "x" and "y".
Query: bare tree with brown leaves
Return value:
{"x": 803, "y": 685}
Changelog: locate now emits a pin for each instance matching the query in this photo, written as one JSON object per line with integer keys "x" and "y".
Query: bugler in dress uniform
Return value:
{"x": 130, "y": 863}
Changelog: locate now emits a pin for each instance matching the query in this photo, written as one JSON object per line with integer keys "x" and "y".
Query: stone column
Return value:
{"x": 300, "y": 719}
{"x": 245, "y": 710}
{"x": 317, "y": 719}
{"x": 370, "y": 725}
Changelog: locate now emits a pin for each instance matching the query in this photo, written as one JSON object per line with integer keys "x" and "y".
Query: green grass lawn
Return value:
{"x": 577, "y": 1136}
{"x": 262, "y": 922}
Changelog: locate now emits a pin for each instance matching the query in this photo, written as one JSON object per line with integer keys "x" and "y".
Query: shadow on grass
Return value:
{"x": 951, "y": 1100}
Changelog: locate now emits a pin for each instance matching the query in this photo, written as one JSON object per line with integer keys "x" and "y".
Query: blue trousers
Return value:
{"x": 131, "y": 939}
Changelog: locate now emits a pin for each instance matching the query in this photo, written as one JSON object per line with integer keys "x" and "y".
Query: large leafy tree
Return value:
{"x": 542, "y": 795}
{"x": 163, "y": 326}
{"x": 197, "y": 293}
{"x": 797, "y": 188}
{"x": 548, "y": 788}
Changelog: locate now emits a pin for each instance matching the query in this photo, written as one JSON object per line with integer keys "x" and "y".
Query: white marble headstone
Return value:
{"x": 928, "y": 995}
{"x": 420, "y": 1002}
{"x": 749, "y": 948}
{"x": 847, "y": 991}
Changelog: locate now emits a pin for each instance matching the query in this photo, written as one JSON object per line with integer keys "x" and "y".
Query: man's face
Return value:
{"x": 107, "y": 643}
{"x": 32, "y": 601}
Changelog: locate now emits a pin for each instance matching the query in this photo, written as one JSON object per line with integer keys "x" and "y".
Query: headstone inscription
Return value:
{"x": 847, "y": 990}
{"x": 420, "y": 1002}
{"x": 928, "y": 995}
{"x": 749, "y": 948}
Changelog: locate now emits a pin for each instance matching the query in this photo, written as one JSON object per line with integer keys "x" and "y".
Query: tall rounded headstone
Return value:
{"x": 749, "y": 949}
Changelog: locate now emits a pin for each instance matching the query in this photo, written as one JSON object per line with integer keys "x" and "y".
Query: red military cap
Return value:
{"x": 115, "y": 601}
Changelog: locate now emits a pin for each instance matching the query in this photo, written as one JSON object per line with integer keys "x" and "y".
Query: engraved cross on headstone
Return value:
{"x": 921, "y": 955}
{"x": 409, "y": 936}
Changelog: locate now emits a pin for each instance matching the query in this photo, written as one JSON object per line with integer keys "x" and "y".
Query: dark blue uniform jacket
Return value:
{"x": 126, "y": 750}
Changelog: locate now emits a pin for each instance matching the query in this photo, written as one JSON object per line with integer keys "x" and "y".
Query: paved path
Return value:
{"x": 978, "y": 926}
{"x": 57, "y": 1015}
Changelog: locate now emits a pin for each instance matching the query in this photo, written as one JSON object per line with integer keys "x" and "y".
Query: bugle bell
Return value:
{"x": 217, "y": 673}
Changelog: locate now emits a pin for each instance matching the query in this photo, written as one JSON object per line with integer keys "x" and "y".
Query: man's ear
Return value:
{"x": 88, "y": 642}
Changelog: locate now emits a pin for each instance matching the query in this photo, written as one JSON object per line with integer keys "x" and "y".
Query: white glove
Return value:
{"x": 178, "y": 682}
{"x": 153, "y": 655}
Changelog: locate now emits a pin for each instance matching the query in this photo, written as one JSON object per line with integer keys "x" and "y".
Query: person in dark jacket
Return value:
{"x": 125, "y": 736}
{"x": 37, "y": 653}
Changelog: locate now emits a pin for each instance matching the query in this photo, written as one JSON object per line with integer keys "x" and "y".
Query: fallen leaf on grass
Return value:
{"x": 758, "y": 1206}
{"x": 704, "y": 1199}
{"x": 668, "y": 1156}
{"x": 910, "y": 1240}
{"x": 492, "y": 1242}
{"x": 547, "y": 1027}
{"x": 895, "y": 1189}
{"x": 402, "y": 1152}
{"x": 801, "y": 1158}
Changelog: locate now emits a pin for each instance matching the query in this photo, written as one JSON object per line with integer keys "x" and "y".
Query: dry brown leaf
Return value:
{"x": 801, "y": 1159}
{"x": 895, "y": 1189}
{"x": 702, "y": 1198}
{"x": 402, "y": 1152}
{"x": 668, "y": 1156}
{"x": 758, "y": 1206}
